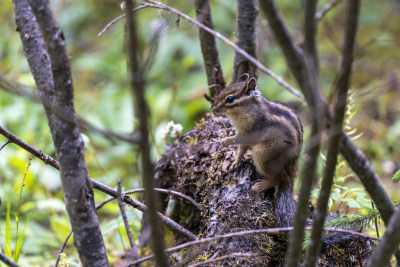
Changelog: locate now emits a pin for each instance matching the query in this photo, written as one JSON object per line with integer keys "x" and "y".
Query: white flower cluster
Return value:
{"x": 171, "y": 128}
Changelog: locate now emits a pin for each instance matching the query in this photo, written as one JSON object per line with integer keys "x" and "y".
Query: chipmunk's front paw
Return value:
{"x": 262, "y": 185}
{"x": 228, "y": 141}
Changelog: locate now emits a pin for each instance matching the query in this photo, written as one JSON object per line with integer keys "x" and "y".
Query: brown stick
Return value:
{"x": 209, "y": 48}
{"x": 273, "y": 231}
{"x": 246, "y": 38}
{"x": 97, "y": 185}
{"x": 7, "y": 260}
{"x": 126, "y": 222}
{"x": 229, "y": 43}
{"x": 341, "y": 90}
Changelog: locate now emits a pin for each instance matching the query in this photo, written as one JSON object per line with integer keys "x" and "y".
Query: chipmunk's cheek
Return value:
{"x": 217, "y": 111}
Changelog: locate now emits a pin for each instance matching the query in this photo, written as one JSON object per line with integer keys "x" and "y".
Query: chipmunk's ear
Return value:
{"x": 209, "y": 98}
{"x": 251, "y": 85}
{"x": 243, "y": 78}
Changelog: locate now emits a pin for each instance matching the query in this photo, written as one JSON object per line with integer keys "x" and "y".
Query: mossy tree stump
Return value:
{"x": 197, "y": 165}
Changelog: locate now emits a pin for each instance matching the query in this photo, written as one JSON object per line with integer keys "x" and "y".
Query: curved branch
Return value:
{"x": 342, "y": 87}
{"x": 18, "y": 89}
{"x": 272, "y": 231}
{"x": 388, "y": 245}
{"x": 166, "y": 191}
{"x": 7, "y": 260}
{"x": 97, "y": 185}
{"x": 325, "y": 9}
{"x": 134, "y": 249}
{"x": 229, "y": 43}
{"x": 137, "y": 84}
{"x": 45, "y": 47}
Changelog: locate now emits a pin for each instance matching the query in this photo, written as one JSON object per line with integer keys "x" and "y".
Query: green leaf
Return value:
{"x": 335, "y": 195}
{"x": 396, "y": 177}
{"x": 351, "y": 203}
{"x": 7, "y": 241}
{"x": 20, "y": 243}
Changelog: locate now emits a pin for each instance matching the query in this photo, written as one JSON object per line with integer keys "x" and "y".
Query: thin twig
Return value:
{"x": 37, "y": 153}
{"x": 229, "y": 43}
{"x": 6, "y": 143}
{"x": 134, "y": 248}
{"x": 274, "y": 231}
{"x": 310, "y": 35}
{"x": 325, "y": 9}
{"x": 166, "y": 191}
{"x": 388, "y": 245}
{"x": 97, "y": 185}
{"x": 120, "y": 17}
{"x": 359, "y": 253}
{"x": 342, "y": 88}
{"x": 137, "y": 85}
{"x": 64, "y": 244}
{"x": 20, "y": 90}
{"x": 308, "y": 80}
{"x": 7, "y": 260}
{"x": 375, "y": 221}
{"x": 222, "y": 258}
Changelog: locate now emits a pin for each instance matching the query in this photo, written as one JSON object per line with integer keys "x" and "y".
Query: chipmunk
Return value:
{"x": 274, "y": 132}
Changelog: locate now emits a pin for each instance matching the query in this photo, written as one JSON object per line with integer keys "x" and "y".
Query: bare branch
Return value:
{"x": 229, "y": 43}
{"x": 120, "y": 17}
{"x": 6, "y": 143}
{"x": 137, "y": 83}
{"x": 272, "y": 231}
{"x": 389, "y": 243}
{"x": 308, "y": 177}
{"x": 325, "y": 9}
{"x": 97, "y": 185}
{"x": 37, "y": 153}
{"x": 342, "y": 88}
{"x": 18, "y": 89}
{"x": 305, "y": 72}
{"x": 233, "y": 255}
{"x": 310, "y": 33}
{"x": 64, "y": 244}
{"x": 56, "y": 93}
{"x": 126, "y": 222}
{"x": 246, "y": 38}
{"x": 106, "y": 133}
{"x": 209, "y": 48}
{"x": 164, "y": 219}
{"x": 166, "y": 191}
{"x": 361, "y": 166}
{"x": 7, "y": 260}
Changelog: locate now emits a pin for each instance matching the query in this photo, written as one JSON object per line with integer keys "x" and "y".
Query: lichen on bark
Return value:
{"x": 198, "y": 165}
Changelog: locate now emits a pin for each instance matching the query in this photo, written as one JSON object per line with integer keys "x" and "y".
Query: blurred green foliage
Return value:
{"x": 175, "y": 82}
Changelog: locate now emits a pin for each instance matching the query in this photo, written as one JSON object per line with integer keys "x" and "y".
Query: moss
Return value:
{"x": 230, "y": 205}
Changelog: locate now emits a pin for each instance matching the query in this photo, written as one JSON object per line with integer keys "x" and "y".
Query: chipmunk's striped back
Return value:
{"x": 274, "y": 132}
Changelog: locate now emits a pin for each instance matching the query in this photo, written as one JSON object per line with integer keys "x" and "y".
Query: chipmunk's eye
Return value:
{"x": 230, "y": 99}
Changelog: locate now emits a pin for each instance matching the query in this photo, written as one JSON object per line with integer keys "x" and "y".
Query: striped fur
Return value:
{"x": 272, "y": 129}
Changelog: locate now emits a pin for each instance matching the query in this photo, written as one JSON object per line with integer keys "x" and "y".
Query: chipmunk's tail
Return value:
{"x": 284, "y": 207}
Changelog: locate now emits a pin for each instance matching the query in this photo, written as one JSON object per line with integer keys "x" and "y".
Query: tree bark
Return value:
{"x": 198, "y": 165}
{"x": 246, "y": 38}
{"x": 341, "y": 89}
{"x": 137, "y": 83}
{"x": 215, "y": 77}
{"x": 389, "y": 243}
{"x": 56, "y": 92}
